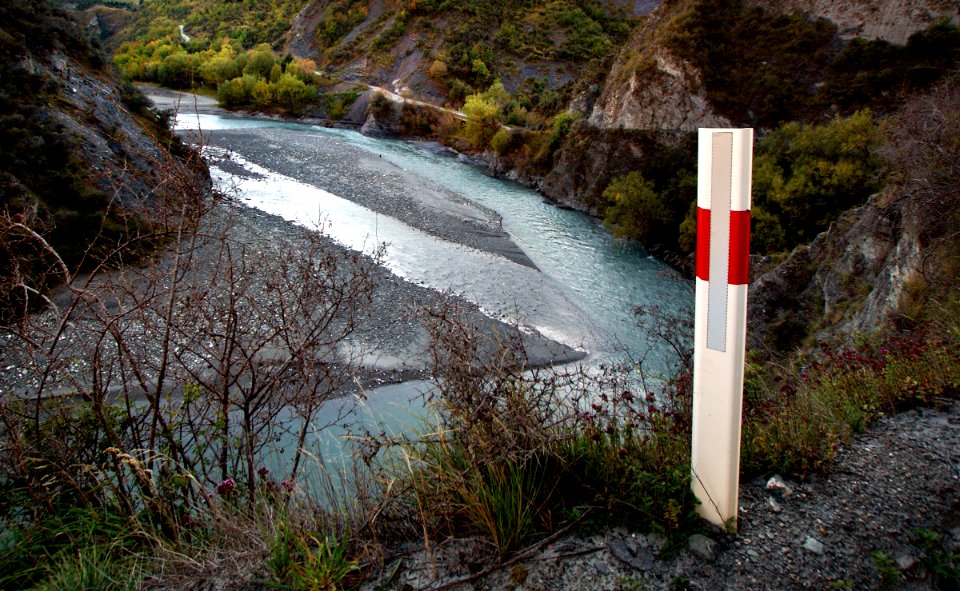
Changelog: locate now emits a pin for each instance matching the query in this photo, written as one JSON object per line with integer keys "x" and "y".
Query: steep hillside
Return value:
{"x": 895, "y": 258}
{"x": 713, "y": 63}
{"x": 248, "y": 21}
{"x": 84, "y": 162}
{"x": 761, "y": 63}
{"x": 805, "y": 83}
{"x": 889, "y": 20}
{"x": 446, "y": 50}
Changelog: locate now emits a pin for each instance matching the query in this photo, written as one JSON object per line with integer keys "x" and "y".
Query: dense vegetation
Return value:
{"x": 249, "y": 22}
{"x": 764, "y": 69}
{"x": 816, "y": 101}
{"x": 483, "y": 41}
{"x": 255, "y": 78}
{"x": 804, "y": 176}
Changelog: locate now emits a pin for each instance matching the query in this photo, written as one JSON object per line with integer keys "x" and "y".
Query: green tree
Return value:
{"x": 260, "y": 61}
{"x": 482, "y": 121}
{"x": 634, "y": 209}
{"x": 804, "y": 176}
{"x": 263, "y": 94}
{"x": 275, "y": 72}
{"x": 219, "y": 69}
{"x": 232, "y": 93}
{"x": 562, "y": 124}
{"x": 293, "y": 94}
{"x": 177, "y": 70}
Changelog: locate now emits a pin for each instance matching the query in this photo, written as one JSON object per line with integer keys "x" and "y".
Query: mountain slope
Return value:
{"x": 84, "y": 162}
{"x": 445, "y": 49}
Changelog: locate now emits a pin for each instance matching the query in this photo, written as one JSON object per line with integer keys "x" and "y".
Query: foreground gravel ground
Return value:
{"x": 857, "y": 528}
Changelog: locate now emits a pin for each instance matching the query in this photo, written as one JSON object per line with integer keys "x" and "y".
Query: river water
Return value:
{"x": 582, "y": 292}
{"x": 588, "y": 282}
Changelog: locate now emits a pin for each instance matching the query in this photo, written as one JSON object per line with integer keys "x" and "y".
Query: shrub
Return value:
{"x": 260, "y": 61}
{"x": 500, "y": 142}
{"x": 806, "y": 175}
{"x": 438, "y": 70}
{"x": 178, "y": 70}
{"x": 519, "y": 449}
{"x": 263, "y": 95}
{"x": 482, "y": 121}
{"x": 794, "y": 421}
{"x": 381, "y": 106}
{"x": 232, "y": 94}
{"x": 293, "y": 94}
{"x": 634, "y": 209}
{"x": 562, "y": 124}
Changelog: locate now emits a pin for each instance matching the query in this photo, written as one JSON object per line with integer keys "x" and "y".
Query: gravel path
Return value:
{"x": 901, "y": 477}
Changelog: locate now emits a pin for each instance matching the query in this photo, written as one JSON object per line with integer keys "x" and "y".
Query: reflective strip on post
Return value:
{"x": 722, "y": 267}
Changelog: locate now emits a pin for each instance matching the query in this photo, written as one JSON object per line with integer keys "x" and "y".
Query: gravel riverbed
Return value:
{"x": 394, "y": 338}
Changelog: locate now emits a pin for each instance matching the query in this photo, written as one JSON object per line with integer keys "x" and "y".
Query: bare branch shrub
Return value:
{"x": 143, "y": 389}
{"x": 922, "y": 154}
{"x": 518, "y": 450}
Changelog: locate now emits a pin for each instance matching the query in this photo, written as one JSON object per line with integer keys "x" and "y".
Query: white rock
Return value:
{"x": 813, "y": 545}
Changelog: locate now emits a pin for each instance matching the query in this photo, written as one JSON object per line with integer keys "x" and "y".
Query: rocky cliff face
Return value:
{"x": 591, "y": 157}
{"x": 61, "y": 82}
{"x": 850, "y": 279}
{"x": 883, "y": 260}
{"x": 650, "y": 88}
{"x": 84, "y": 161}
{"x": 890, "y": 20}
{"x": 663, "y": 92}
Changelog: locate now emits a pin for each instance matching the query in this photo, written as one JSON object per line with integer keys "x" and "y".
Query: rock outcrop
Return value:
{"x": 651, "y": 88}
{"x": 890, "y": 20}
{"x": 591, "y": 157}
{"x": 84, "y": 161}
{"x": 850, "y": 278}
{"x": 872, "y": 264}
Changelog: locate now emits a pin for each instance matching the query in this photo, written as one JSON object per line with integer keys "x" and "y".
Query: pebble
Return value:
{"x": 703, "y": 547}
{"x": 777, "y": 486}
{"x": 813, "y": 545}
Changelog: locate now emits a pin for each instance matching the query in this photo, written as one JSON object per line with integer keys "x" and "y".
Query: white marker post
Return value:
{"x": 720, "y": 328}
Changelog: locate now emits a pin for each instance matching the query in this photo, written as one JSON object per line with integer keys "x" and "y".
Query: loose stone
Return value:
{"x": 813, "y": 545}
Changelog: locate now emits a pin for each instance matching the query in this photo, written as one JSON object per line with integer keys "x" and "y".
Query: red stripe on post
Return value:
{"x": 739, "y": 268}
{"x": 703, "y": 244}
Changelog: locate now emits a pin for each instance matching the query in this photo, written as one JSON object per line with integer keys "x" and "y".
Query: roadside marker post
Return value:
{"x": 720, "y": 326}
